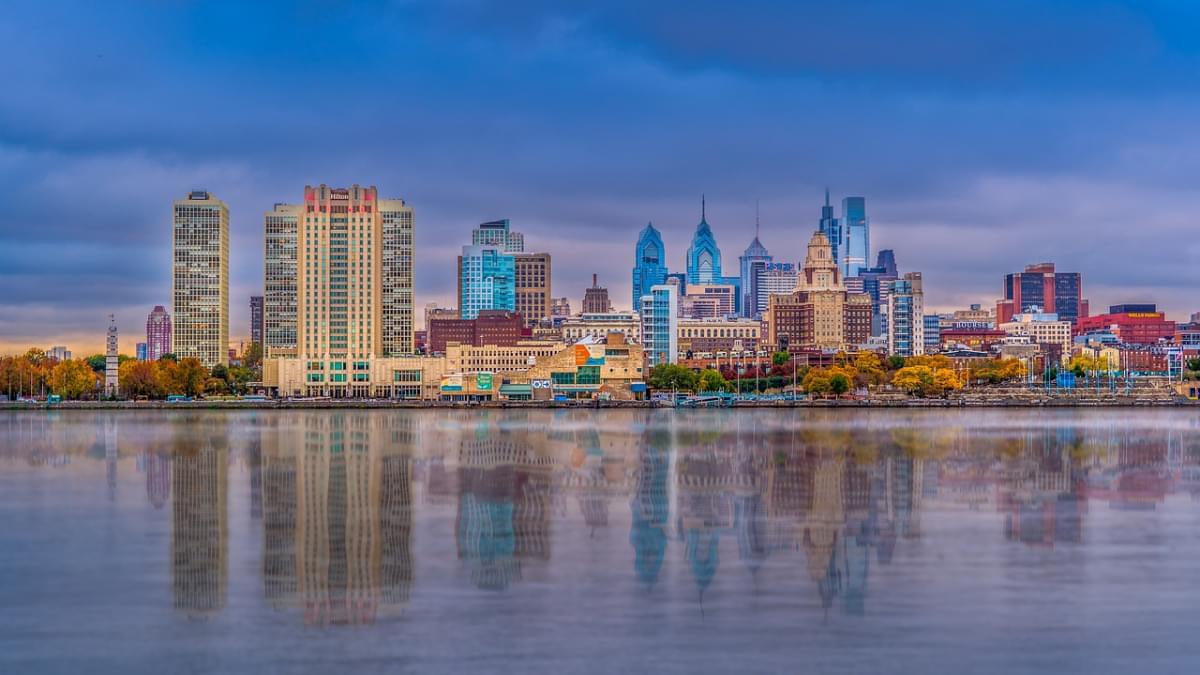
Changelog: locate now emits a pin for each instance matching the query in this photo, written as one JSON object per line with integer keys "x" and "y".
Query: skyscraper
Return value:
{"x": 354, "y": 284}
{"x": 831, "y": 227}
{"x": 906, "y": 316}
{"x": 649, "y": 263}
{"x": 595, "y": 299}
{"x": 487, "y": 269}
{"x": 111, "y": 360}
{"x": 1040, "y": 286}
{"x": 532, "y": 287}
{"x": 143, "y": 351}
{"x": 752, "y": 262}
{"x": 660, "y": 325}
{"x": 158, "y": 333}
{"x": 256, "y": 319}
{"x": 876, "y": 282}
{"x": 857, "y": 231}
{"x": 280, "y": 226}
{"x": 703, "y": 256}
{"x": 200, "y": 279}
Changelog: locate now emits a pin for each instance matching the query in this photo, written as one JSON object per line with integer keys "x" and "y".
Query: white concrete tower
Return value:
{"x": 110, "y": 360}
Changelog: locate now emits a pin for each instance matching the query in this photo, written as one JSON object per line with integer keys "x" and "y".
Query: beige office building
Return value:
{"x": 280, "y": 226}
{"x": 532, "y": 275}
{"x": 200, "y": 279}
{"x": 599, "y": 326}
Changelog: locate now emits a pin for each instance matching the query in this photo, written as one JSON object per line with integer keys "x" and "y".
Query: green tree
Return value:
{"x": 98, "y": 362}
{"x": 839, "y": 384}
{"x": 817, "y": 381}
{"x": 190, "y": 377}
{"x": 169, "y": 357}
{"x": 711, "y": 380}
{"x": 670, "y": 377}
{"x": 252, "y": 359}
{"x": 895, "y": 362}
{"x": 781, "y": 358}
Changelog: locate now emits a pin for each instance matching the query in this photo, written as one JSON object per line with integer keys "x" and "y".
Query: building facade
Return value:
{"x": 532, "y": 287}
{"x": 200, "y": 279}
{"x": 595, "y": 299}
{"x": 1040, "y": 288}
{"x": 1042, "y": 328}
{"x": 256, "y": 319}
{"x": 831, "y": 227}
{"x": 1140, "y": 324}
{"x": 158, "y": 333}
{"x": 490, "y": 327}
{"x": 280, "y": 274}
{"x": 660, "y": 325}
{"x": 819, "y": 314}
{"x": 486, "y": 280}
{"x": 708, "y": 301}
{"x": 906, "y": 316}
{"x": 719, "y": 335}
{"x": 857, "y": 229}
{"x": 752, "y": 264}
{"x": 703, "y": 255}
{"x": 774, "y": 278}
{"x": 600, "y": 325}
{"x": 649, "y": 264}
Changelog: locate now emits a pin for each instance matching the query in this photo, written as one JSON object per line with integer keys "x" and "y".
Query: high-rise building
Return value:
{"x": 158, "y": 333}
{"x": 933, "y": 333}
{"x": 906, "y": 316}
{"x": 532, "y": 287}
{"x": 498, "y": 234}
{"x": 857, "y": 232}
{"x": 560, "y": 307}
{"x": 280, "y": 227}
{"x": 595, "y": 299}
{"x": 486, "y": 280}
{"x": 1040, "y": 286}
{"x": 751, "y": 264}
{"x": 660, "y": 325}
{"x": 111, "y": 360}
{"x": 354, "y": 283}
{"x": 703, "y": 256}
{"x": 875, "y": 282}
{"x": 831, "y": 227}
{"x": 772, "y": 279}
{"x": 819, "y": 314}
{"x": 708, "y": 301}
{"x": 58, "y": 353}
{"x": 256, "y": 319}
{"x": 143, "y": 351}
{"x": 200, "y": 279}
{"x": 649, "y": 264}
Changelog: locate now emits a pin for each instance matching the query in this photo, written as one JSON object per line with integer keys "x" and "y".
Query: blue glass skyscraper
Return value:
{"x": 486, "y": 280}
{"x": 703, "y": 256}
{"x": 832, "y": 229}
{"x": 649, "y": 265}
{"x": 856, "y": 229}
{"x": 752, "y": 262}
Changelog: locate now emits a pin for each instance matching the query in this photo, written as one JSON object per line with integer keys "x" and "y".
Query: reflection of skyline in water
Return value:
{"x": 336, "y": 497}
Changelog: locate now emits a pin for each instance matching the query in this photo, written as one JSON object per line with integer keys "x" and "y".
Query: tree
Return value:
{"x": 252, "y": 359}
{"x": 668, "y": 377}
{"x": 839, "y": 384}
{"x": 186, "y": 377}
{"x": 169, "y": 357}
{"x": 98, "y": 362}
{"x": 869, "y": 367}
{"x": 711, "y": 380}
{"x": 781, "y": 358}
{"x": 945, "y": 381}
{"x": 895, "y": 362}
{"x": 72, "y": 379}
{"x": 817, "y": 381}
{"x": 913, "y": 379}
{"x": 140, "y": 378}
{"x": 35, "y": 356}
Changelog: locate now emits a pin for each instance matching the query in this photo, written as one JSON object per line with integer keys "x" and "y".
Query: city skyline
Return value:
{"x": 975, "y": 160}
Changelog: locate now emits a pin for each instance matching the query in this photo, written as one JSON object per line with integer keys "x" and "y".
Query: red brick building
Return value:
{"x": 492, "y": 327}
{"x": 1132, "y": 324}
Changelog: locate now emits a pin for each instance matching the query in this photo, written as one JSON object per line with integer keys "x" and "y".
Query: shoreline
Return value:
{"x": 1114, "y": 402}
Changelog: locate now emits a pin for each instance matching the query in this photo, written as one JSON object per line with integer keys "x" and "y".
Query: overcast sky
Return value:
{"x": 985, "y": 135}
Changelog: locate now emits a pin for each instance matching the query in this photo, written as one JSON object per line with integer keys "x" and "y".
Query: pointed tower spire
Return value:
{"x": 826, "y": 195}
{"x": 703, "y": 218}
{"x": 756, "y": 219}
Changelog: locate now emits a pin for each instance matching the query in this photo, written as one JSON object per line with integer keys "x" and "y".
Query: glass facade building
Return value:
{"x": 649, "y": 265}
{"x": 660, "y": 325}
{"x": 703, "y": 256}
{"x": 906, "y": 316}
{"x": 486, "y": 280}
{"x": 200, "y": 279}
{"x": 857, "y": 231}
{"x": 831, "y": 227}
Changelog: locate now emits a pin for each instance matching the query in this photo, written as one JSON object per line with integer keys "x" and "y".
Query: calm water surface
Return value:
{"x": 576, "y": 541}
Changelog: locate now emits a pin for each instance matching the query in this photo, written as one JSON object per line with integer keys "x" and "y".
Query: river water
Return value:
{"x": 943, "y": 541}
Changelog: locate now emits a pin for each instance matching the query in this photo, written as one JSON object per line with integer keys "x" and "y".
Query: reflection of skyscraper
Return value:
{"x": 158, "y": 478}
{"x": 279, "y": 513}
{"x": 650, "y": 507}
{"x": 705, "y": 508}
{"x": 821, "y": 526}
{"x": 199, "y": 532}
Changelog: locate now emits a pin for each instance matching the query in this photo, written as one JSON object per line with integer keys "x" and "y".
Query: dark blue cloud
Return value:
{"x": 984, "y": 135}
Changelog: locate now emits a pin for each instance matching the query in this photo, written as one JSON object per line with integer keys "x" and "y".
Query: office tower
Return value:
{"x": 660, "y": 325}
{"x": 397, "y": 260}
{"x": 498, "y": 234}
{"x": 875, "y": 282}
{"x": 1041, "y": 287}
{"x": 705, "y": 301}
{"x": 933, "y": 333}
{"x": 831, "y": 227}
{"x": 280, "y": 226}
{"x": 856, "y": 228}
{"x": 649, "y": 264}
{"x": 200, "y": 279}
{"x": 770, "y": 279}
{"x": 906, "y": 316}
{"x": 111, "y": 360}
{"x": 143, "y": 351}
{"x": 595, "y": 299}
{"x": 560, "y": 307}
{"x": 703, "y": 256}
{"x": 158, "y": 333}
{"x": 532, "y": 287}
{"x": 486, "y": 280}
{"x": 354, "y": 283}
{"x": 256, "y": 319}
{"x": 752, "y": 262}
{"x": 819, "y": 314}
{"x": 59, "y": 353}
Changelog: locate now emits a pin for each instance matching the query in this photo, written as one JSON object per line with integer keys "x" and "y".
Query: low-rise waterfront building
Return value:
{"x": 599, "y": 325}
{"x": 718, "y": 335}
{"x": 1043, "y": 328}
